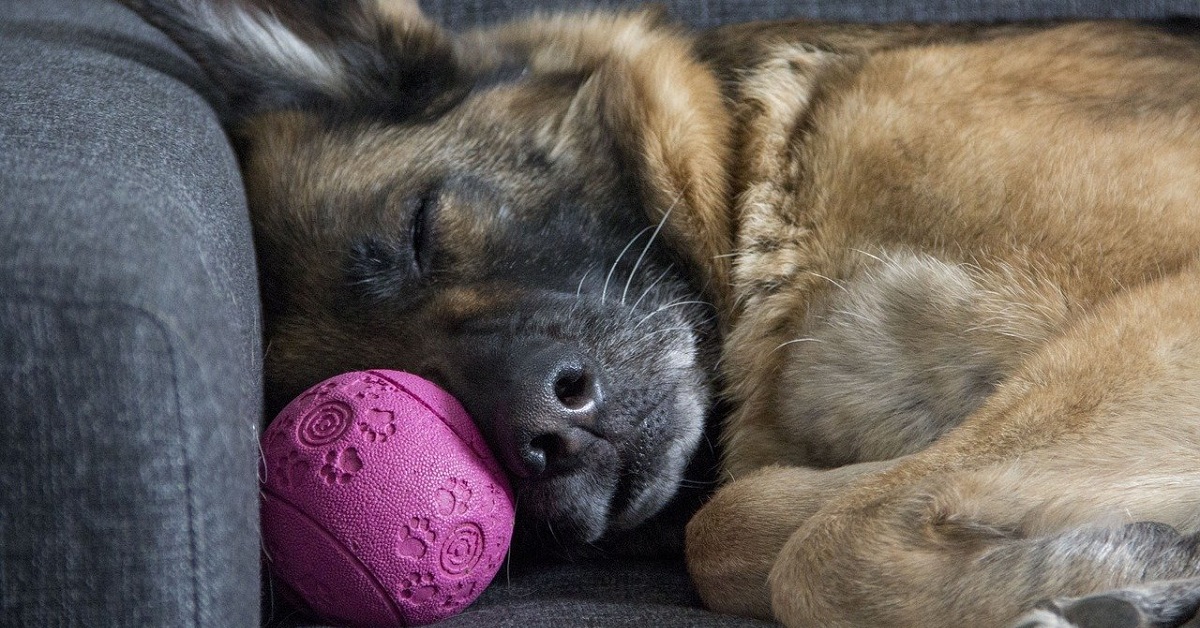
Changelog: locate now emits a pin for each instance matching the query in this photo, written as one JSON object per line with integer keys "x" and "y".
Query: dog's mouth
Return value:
{"x": 594, "y": 416}
{"x": 616, "y": 485}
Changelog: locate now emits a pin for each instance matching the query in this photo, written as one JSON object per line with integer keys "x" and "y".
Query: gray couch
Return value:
{"x": 129, "y": 331}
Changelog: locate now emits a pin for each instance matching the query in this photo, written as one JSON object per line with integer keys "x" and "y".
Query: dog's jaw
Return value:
{"x": 693, "y": 402}
{"x": 657, "y": 397}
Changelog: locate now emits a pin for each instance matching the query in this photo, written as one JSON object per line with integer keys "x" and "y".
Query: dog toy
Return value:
{"x": 381, "y": 503}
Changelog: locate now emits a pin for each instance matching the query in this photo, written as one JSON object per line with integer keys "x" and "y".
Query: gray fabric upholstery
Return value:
{"x": 634, "y": 594}
{"x": 703, "y": 13}
{"x": 600, "y": 594}
{"x": 129, "y": 340}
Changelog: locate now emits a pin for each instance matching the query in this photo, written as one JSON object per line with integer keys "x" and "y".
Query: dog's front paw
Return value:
{"x": 1118, "y": 609}
{"x": 1098, "y": 611}
{"x": 729, "y": 556}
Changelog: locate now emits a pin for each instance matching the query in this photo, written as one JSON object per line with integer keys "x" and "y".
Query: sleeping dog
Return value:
{"x": 942, "y": 278}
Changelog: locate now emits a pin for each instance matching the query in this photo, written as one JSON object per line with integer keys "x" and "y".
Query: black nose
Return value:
{"x": 555, "y": 398}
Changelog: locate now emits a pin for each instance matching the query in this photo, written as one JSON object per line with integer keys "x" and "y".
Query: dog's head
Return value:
{"x": 532, "y": 216}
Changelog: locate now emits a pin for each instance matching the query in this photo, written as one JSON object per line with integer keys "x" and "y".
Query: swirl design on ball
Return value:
{"x": 325, "y": 423}
{"x": 462, "y": 549}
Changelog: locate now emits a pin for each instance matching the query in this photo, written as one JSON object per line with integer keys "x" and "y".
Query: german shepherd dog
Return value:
{"x": 937, "y": 285}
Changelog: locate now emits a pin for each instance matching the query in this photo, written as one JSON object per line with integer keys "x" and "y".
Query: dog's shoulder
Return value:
{"x": 963, "y": 144}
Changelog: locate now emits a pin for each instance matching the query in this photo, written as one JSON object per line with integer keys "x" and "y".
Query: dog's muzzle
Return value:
{"x": 544, "y": 410}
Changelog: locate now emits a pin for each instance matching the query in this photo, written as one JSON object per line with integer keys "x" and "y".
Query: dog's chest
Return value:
{"x": 898, "y": 252}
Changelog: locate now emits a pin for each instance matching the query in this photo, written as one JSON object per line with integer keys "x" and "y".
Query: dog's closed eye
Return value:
{"x": 421, "y": 232}
{"x": 384, "y": 266}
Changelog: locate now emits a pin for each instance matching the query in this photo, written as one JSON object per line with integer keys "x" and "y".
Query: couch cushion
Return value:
{"x": 644, "y": 594}
{"x": 129, "y": 339}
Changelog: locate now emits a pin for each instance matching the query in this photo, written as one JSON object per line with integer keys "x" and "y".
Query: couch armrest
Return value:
{"x": 129, "y": 337}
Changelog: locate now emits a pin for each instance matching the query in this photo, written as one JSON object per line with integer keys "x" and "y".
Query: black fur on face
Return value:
{"x": 482, "y": 227}
{"x": 508, "y": 275}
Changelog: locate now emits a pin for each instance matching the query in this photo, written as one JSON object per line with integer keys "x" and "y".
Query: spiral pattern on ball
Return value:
{"x": 325, "y": 423}
{"x": 462, "y": 549}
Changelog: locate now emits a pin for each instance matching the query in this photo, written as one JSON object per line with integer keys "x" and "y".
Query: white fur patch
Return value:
{"x": 1040, "y": 618}
{"x": 259, "y": 38}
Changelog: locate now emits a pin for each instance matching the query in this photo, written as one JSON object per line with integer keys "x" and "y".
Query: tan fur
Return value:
{"x": 1019, "y": 209}
{"x": 662, "y": 105}
{"x": 401, "y": 11}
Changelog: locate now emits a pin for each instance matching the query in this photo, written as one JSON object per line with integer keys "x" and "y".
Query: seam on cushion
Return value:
{"x": 165, "y": 330}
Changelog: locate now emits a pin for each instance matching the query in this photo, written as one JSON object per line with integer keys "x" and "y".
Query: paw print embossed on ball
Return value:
{"x": 341, "y": 466}
{"x": 454, "y": 497}
{"x": 415, "y": 539}
{"x": 403, "y": 522}
{"x": 419, "y": 588}
{"x": 378, "y": 425}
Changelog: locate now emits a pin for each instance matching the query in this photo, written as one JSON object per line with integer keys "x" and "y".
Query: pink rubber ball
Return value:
{"x": 382, "y": 505}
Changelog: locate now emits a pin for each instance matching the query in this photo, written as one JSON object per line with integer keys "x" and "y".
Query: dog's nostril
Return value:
{"x": 533, "y": 457}
{"x": 549, "y": 446}
{"x": 555, "y": 453}
{"x": 574, "y": 389}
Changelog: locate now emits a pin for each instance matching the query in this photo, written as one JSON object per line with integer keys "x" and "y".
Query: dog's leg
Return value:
{"x": 900, "y": 352}
{"x": 1037, "y": 495}
{"x": 1166, "y": 603}
{"x": 733, "y": 541}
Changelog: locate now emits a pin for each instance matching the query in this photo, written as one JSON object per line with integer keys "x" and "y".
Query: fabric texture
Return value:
{"x": 599, "y": 594}
{"x": 129, "y": 335}
{"x": 706, "y": 13}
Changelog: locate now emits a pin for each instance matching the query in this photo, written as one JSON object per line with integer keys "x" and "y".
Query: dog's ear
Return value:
{"x": 644, "y": 91}
{"x": 379, "y": 57}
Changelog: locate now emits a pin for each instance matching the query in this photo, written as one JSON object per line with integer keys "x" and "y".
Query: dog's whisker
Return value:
{"x": 263, "y": 467}
{"x": 646, "y": 249}
{"x": 617, "y": 262}
{"x": 792, "y": 342}
{"x": 598, "y": 549}
{"x": 663, "y": 331}
{"x": 579, "y": 288}
{"x": 837, "y": 284}
{"x": 645, "y": 292}
{"x": 868, "y": 254}
{"x": 554, "y": 535}
{"x": 667, "y": 307}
